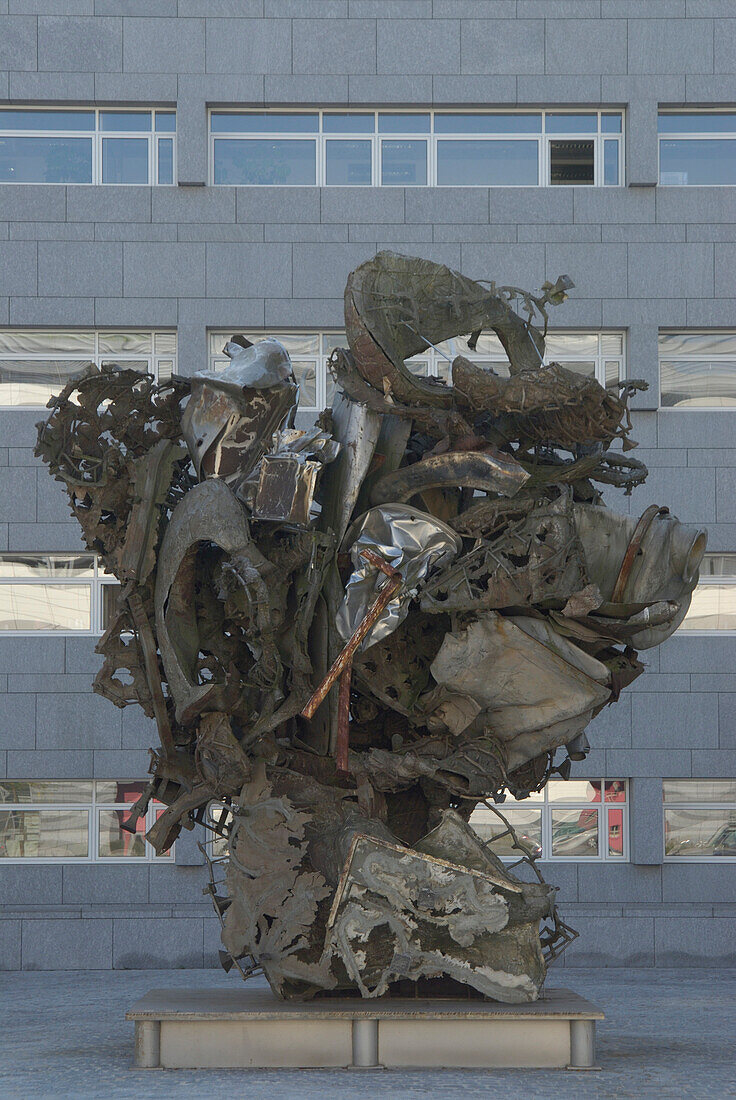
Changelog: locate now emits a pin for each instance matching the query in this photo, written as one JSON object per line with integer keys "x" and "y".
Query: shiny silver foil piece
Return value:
{"x": 281, "y": 488}
{"x": 410, "y": 541}
{"x": 232, "y": 413}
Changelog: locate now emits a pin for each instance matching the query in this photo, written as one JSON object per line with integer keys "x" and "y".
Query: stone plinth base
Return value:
{"x": 217, "y": 1029}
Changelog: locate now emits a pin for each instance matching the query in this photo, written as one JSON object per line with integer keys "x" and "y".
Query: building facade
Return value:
{"x": 172, "y": 172}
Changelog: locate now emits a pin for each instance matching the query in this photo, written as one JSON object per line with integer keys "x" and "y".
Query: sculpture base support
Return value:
{"x": 238, "y": 1029}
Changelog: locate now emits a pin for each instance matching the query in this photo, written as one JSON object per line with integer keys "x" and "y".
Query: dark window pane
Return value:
{"x": 349, "y": 123}
{"x": 165, "y": 160}
{"x": 47, "y": 120}
{"x": 457, "y": 123}
{"x": 45, "y": 160}
{"x": 487, "y": 163}
{"x": 571, "y": 162}
{"x": 349, "y": 163}
{"x": 263, "y": 123}
{"x": 265, "y": 162}
{"x": 404, "y": 163}
{"x": 698, "y": 122}
{"x": 124, "y": 160}
{"x": 43, "y": 834}
{"x": 110, "y": 594}
{"x": 125, "y": 120}
{"x": 403, "y": 124}
{"x": 697, "y": 162}
{"x": 571, "y": 124}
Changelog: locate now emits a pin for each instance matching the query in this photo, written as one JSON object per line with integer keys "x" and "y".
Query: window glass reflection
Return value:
{"x": 264, "y": 161}
{"x": 685, "y": 163}
{"x": 124, "y": 160}
{"x": 403, "y": 163}
{"x": 43, "y": 834}
{"x": 348, "y": 163}
{"x": 487, "y": 163}
{"x": 45, "y": 160}
{"x": 575, "y": 832}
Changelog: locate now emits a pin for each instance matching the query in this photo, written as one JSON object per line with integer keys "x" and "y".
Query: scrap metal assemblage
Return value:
{"x": 350, "y": 636}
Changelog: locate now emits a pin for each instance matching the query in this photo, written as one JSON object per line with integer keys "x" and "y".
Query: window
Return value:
{"x": 417, "y": 148}
{"x": 568, "y": 820}
{"x": 597, "y": 354}
{"x": 697, "y": 148}
{"x": 697, "y": 370}
{"x": 699, "y": 819}
{"x": 50, "y": 820}
{"x": 59, "y": 593}
{"x": 218, "y": 816}
{"x": 58, "y": 145}
{"x": 713, "y": 606}
{"x": 35, "y": 364}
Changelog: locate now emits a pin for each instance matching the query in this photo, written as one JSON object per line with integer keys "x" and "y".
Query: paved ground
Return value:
{"x": 668, "y": 1033}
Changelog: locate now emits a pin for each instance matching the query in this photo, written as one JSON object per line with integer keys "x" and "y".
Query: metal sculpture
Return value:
{"x": 351, "y": 635}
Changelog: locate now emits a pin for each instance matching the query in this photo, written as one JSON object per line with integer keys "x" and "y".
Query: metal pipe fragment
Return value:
{"x": 344, "y": 659}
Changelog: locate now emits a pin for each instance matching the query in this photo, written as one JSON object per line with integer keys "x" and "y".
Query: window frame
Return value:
{"x": 320, "y": 137}
{"x": 692, "y": 805}
{"x": 92, "y": 809}
{"x": 96, "y": 583}
{"x": 96, "y": 135}
{"x": 710, "y": 581}
{"x": 546, "y": 807}
{"x": 689, "y": 409}
{"x": 155, "y": 359}
{"x": 693, "y": 135}
{"x": 432, "y": 358}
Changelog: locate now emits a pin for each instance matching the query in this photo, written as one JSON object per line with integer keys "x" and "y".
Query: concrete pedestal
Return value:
{"x": 242, "y": 1028}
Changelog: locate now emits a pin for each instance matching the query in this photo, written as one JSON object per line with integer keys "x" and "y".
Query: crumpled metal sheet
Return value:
{"x": 665, "y": 568}
{"x": 282, "y": 486}
{"x": 400, "y": 913}
{"x": 411, "y": 542}
{"x": 233, "y": 413}
{"x": 523, "y": 676}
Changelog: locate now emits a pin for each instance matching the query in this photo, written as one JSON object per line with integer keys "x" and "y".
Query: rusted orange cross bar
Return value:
{"x": 342, "y": 666}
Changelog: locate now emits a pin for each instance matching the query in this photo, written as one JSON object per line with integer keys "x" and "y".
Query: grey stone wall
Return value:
{"x": 195, "y": 257}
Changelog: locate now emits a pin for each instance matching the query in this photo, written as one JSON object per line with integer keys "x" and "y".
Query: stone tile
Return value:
{"x": 358, "y": 205}
{"x": 164, "y": 45}
{"x": 612, "y": 942}
{"x": 18, "y": 42}
{"x": 278, "y": 204}
{"x": 106, "y": 883}
{"x": 502, "y": 46}
{"x": 447, "y": 204}
{"x": 350, "y": 45}
{"x": 25, "y": 884}
{"x": 79, "y": 45}
{"x": 435, "y": 47}
{"x": 679, "y": 270}
{"x": 18, "y": 267}
{"x": 32, "y": 202}
{"x": 585, "y": 46}
{"x": 171, "y": 883}
{"x": 252, "y": 46}
{"x": 611, "y": 883}
{"x": 17, "y": 721}
{"x": 10, "y": 956}
{"x": 150, "y": 944}
{"x": 675, "y": 720}
{"x": 79, "y": 722}
{"x": 163, "y": 270}
{"x": 71, "y": 268}
{"x": 670, "y": 46}
{"x": 648, "y": 763}
{"x": 319, "y": 270}
{"x": 74, "y": 944}
{"x": 695, "y": 942}
{"x": 251, "y": 269}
